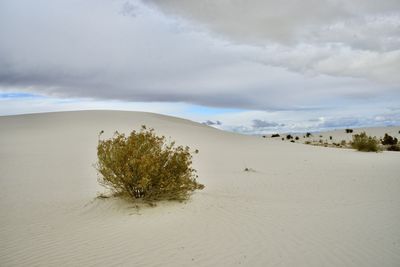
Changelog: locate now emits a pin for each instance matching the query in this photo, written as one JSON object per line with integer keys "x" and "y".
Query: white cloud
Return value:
{"x": 264, "y": 55}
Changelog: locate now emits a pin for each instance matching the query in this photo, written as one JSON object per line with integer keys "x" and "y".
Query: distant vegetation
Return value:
{"x": 389, "y": 140}
{"x": 349, "y": 130}
{"x": 275, "y": 135}
{"x": 143, "y": 166}
{"x": 363, "y": 142}
{"x": 390, "y": 143}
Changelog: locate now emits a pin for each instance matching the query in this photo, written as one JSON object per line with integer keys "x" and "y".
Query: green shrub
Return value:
{"x": 143, "y": 166}
{"x": 363, "y": 142}
{"x": 389, "y": 140}
{"x": 393, "y": 148}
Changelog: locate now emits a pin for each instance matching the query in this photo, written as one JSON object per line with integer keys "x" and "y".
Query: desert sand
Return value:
{"x": 299, "y": 205}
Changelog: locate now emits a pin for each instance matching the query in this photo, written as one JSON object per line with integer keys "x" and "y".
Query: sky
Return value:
{"x": 252, "y": 67}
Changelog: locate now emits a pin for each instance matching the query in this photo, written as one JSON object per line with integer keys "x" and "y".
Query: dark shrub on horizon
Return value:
{"x": 389, "y": 140}
{"x": 288, "y": 137}
{"x": 144, "y": 166}
{"x": 393, "y": 148}
{"x": 308, "y": 135}
{"x": 349, "y": 130}
{"x": 275, "y": 135}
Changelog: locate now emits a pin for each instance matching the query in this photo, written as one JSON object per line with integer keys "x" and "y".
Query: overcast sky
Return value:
{"x": 248, "y": 66}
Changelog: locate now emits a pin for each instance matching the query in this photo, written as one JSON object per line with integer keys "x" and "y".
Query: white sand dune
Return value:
{"x": 302, "y": 206}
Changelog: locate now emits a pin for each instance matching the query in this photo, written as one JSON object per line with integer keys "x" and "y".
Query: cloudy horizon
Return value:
{"x": 251, "y": 67}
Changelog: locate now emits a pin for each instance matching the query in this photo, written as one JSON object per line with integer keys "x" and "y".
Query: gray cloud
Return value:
{"x": 278, "y": 56}
{"x": 266, "y": 124}
{"x": 283, "y": 21}
{"x": 212, "y": 123}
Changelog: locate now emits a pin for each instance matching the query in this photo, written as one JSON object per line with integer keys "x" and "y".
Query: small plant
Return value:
{"x": 349, "y": 130}
{"x": 292, "y": 141}
{"x": 330, "y": 137}
{"x": 275, "y": 135}
{"x": 393, "y": 148}
{"x": 308, "y": 135}
{"x": 283, "y": 139}
{"x": 389, "y": 140}
{"x": 288, "y": 137}
{"x": 363, "y": 142}
{"x": 308, "y": 143}
{"x": 297, "y": 138}
{"x": 143, "y": 166}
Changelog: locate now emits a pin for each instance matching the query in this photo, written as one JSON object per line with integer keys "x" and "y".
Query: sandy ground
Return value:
{"x": 301, "y": 206}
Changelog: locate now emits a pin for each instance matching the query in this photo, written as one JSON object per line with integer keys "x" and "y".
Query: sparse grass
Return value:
{"x": 143, "y": 166}
{"x": 363, "y": 142}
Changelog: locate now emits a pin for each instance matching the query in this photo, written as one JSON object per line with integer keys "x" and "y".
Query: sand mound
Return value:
{"x": 301, "y": 206}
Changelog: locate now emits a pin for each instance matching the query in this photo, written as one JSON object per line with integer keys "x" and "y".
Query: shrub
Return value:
{"x": 365, "y": 143}
{"x": 275, "y": 135}
{"x": 288, "y": 137}
{"x": 144, "y": 166}
{"x": 330, "y": 137}
{"x": 308, "y": 134}
{"x": 292, "y": 141}
{"x": 297, "y": 138}
{"x": 389, "y": 140}
{"x": 349, "y": 130}
{"x": 393, "y": 148}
